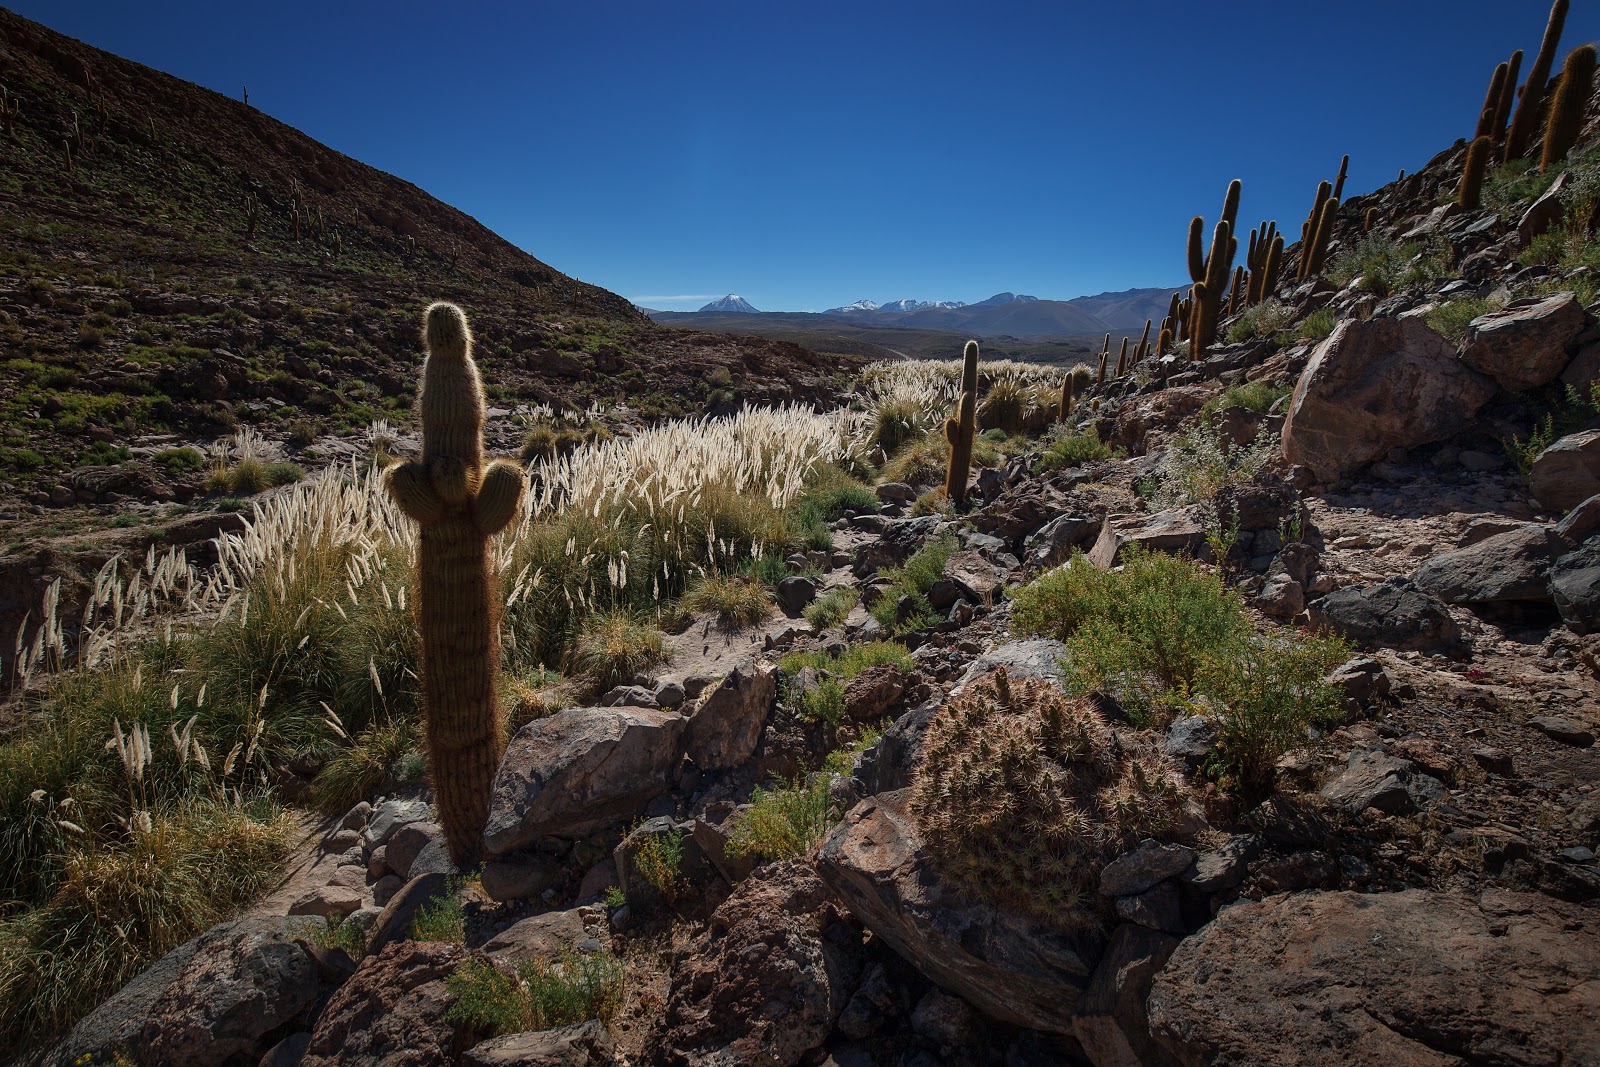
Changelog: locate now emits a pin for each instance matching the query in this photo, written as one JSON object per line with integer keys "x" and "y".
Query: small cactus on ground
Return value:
{"x": 1565, "y": 121}
{"x": 960, "y": 429}
{"x": 1024, "y": 794}
{"x": 459, "y": 502}
{"x": 1526, "y": 120}
{"x": 1369, "y": 220}
{"x": 1469, "y": 192}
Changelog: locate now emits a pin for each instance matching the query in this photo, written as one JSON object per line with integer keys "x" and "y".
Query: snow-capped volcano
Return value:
{"x": 859, "y": 305}
{"x": 894, "y": 306}
{"x": 732, "y": 302}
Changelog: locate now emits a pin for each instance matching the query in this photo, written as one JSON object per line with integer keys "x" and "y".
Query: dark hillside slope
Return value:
{"x": 175, "y": 262}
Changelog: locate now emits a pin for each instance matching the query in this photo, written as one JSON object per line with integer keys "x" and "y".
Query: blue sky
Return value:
{"x": 809, "y": 155}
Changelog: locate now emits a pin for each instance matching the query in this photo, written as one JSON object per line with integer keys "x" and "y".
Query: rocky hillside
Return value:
{"x": 178, "y": 263}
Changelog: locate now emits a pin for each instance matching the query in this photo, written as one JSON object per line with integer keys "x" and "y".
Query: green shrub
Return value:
{"x": 485, "y": 1001}
{"x": 373, "y": 762}
{"x": 342, "y": 933}
{"x": 659, "y": 860}
{"x": 1566, "y": 416}
{"x": 825, "y": 703}
{"x": 914, "y": 578}
{"x": 442, "y": 918}
{"x": 1004, "y": 406}
{"x": 1260, "y": 320}
{"x": 1164, "y": 632}
{"x": 1196, "y": 465}
{"x": 831, "y": 608}
{"x": 738, "y": 601}
{"x": 1257, "y": 396}
{"x": 1385, "y": 265}
{"x": 791, "y": 818}
{"x": 176, "y": 460}
{"x": 1450, "y": 320}
{"x": 283, "y": 472}
{"x": 1314, "y": 327}
{"x": 1074, "y": 450}
{"x": 301, "y": 433}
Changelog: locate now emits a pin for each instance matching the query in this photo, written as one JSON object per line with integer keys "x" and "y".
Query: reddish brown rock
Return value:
{"x": 1393, "y": 979}
{"x": 391, "y": 1011}
{"x": 1377, "y": 385}
{"x": 766, "y": 981}
{"x": 870, "y": 694}
{"x": 725, "y": 730}
{"x": 1524, "y": 345}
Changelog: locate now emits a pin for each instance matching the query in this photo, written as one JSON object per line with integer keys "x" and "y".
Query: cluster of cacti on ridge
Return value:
{"x": 458, "y": 501}
{"x": 1210, "y": 272}
{"x": 961, "y": 428}
{"x": 1317, "y": 231}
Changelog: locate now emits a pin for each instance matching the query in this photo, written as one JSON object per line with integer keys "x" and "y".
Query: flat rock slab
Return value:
{"x": 1177, "y": 532}
{"x": 1009, "y": 968}
{"x": 1507, "y": 567}
{"x": 581, "y": 1045}
{"x": 1335, "y": 979}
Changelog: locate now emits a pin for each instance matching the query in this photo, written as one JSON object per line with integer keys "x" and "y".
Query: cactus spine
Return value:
{"x": 1469, "y": 192}
{"x": 1527, "y": 116}
{"x": 1566, "y": 109}
{"x": 459, "y": 502}
{"x": 960, "y": 430}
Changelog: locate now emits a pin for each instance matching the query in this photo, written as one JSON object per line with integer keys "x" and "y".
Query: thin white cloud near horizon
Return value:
{"x": 674, "y": 299}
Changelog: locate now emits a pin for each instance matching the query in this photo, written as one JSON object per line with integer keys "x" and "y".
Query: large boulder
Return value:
{"x": 579, "y": 770}
{"x": 1575, "y": 586}
{"x": 1568, "y": 472}
{"x": 765, "y": 983}
{"x": 726, "y": 728}
{"x": 1008, "y": 967}
{"x": 391, "y": 1012}
{"x": 1375, "y": 385}
{"x": 1336, "y": 979}
{"x": 1508, "y": 567}
{"x": 1392, "y": 614}
{"x": 546, "y": 937}
{"x": 1524, "y": 345}
{"x": 223, "y": 992}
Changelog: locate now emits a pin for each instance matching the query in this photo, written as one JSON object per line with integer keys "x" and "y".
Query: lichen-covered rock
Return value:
{"x": 1336, "y": 979}
{"x": 766, "y": 981}
{"x": 391, "y": 1011}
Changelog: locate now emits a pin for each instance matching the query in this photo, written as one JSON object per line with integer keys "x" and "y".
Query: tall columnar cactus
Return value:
{"x": 1491, "y": 102}
{"x": 1526, "y": 120}
{"x": 1236, "y": 291}
{"x": 1196, "y": 351}
{"x": 1308, "y": 230}
{"x": 1209, "y": 272}
{"x": 458, "y": 502}
{"x": 1142, "y": 349}
{"x": 1164, "y": 339}
{"x": 1338, "y": 182}
{"x": 1073, "y": 386}
{"x": 960, "y": 430}
{"x": 1313, "y": 256}
{"x": 1122, "y": 359}
{"x": 1274, "y": 264}
{"x": 1508, "y": 94}
{"x": 1566, "y": 109}
{"x": 1469, "y": 192}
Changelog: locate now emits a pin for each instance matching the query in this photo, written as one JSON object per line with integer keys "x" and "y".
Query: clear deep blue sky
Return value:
{"x": 808, "y": 155}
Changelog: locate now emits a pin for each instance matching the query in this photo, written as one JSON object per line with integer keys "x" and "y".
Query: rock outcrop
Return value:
{"x": 1345, "y": 979}
{"x": 1524, "y": 345}
{"x": 1376, "y": 385}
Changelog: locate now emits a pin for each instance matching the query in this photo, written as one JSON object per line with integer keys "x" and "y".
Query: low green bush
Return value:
{"x": 914, "y": 578}
{"x": 1450, "y": 320}
{"x": 831, "y": 608}
{"x": 737, "y": 601}
{"x": 1074, "y": 450}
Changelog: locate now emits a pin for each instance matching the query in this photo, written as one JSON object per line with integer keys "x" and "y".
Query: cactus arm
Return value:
{"x": 412, "y": 491}
{"x": 498, "y": 497}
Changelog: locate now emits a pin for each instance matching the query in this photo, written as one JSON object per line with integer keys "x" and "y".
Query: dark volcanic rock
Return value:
{"x": 1512, "y": 566}
{"x": 1392, "y": 614}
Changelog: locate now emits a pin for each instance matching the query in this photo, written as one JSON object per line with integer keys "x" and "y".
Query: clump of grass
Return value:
{"x": 1260, "y": 320}
{"x": 736, "y": 600}
{"x": 933, "y": 502}
{"x": 1314, "y": 327}
{"x": 342, "y": 934}
{"x": 486, "y": 1001}
{"x": 1385, "y": 265}
{"x": 831, "y": 608}
{"x": 374, "y": 762}
{"x": 179, "y": 460}
{"x": 1256, "y": 396}
{"x": 1004, "y": 406}
{"x": 1450, "y": 320}
{"x": 301, "y": 433}
{"x": 1024, "y": 794}
{"x": 615, "y": 646}
{"x": 789, "y": 819}
{"x": 895, "y": 423}
{"x": 1163, "y": 632}
{"x": 914, "y": 578}
{"x": 443, "y": 918}
{"x": 1074, "y": 450}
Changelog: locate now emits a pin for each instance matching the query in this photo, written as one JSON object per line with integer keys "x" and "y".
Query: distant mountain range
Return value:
{"x": 1001, "y": 315}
